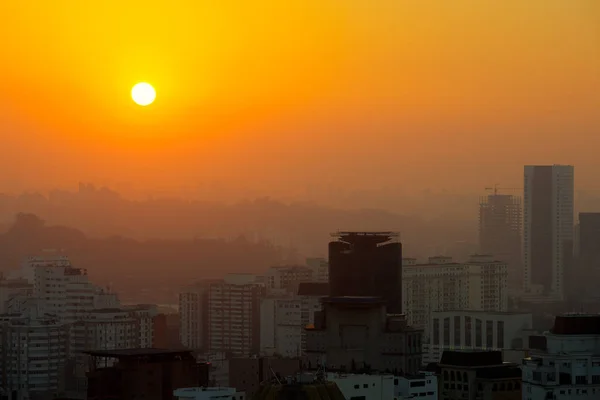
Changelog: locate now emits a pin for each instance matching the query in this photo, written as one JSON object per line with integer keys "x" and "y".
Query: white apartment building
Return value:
{"x": 234, "y": 315}
{"x": 33, "y": 355}
{"x": 320, "y": 269}
{"x": 285, "y": 278}
{"x": 474, "y": 330}
{"x": 281, "y": 326}
{"x": 548, "y": 225}
{"x": 193, "y": 315}
{"x": 567, "y": 366}
{"x": 442, "y": 284}
{"x": 208, "y": 393}
{"x": 144, "y": 315}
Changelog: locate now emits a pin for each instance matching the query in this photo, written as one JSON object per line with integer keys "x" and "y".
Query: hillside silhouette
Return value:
{"x": 143, "y": 270}
{"x": 101, "y": 213}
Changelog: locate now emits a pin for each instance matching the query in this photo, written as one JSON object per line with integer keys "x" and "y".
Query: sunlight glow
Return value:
{"x": 143, "y": 94}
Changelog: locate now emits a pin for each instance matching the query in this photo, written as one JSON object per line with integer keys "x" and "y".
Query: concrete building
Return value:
{"x": 478, "y": 375}
{"x": 320, "y": 268}
{"x": 286, "y": 278}
{"x": 365, "y": 386}
{"x": 33, "y": 355}
{"x": 353, "y": 333}
{"x": 566, "y": 364}
{"x": 281, "y": 326}
{"x": 193, "y": 313}
{"x": 547, "y": 229}
{"x": 209, "y": 393}
{"x": 500, "y": 230}
{"x": 10, "y": 288}
{"x": 311, "y": 295}
{"x": 152, "y": 374}
{"x": 234, "y": 315}
{"x": 367, "y": 264}
{"x": 423, "y": 385}
{"x": 442, "y": 285}
{"x": 586, "y": 274}
{"x": 475, "y": 330}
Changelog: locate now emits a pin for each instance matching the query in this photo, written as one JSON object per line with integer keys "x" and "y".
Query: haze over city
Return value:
{"x": 341, "y": 200}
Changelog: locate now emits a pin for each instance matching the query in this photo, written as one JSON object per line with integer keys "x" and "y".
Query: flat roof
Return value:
{"x": 135, "y": 352}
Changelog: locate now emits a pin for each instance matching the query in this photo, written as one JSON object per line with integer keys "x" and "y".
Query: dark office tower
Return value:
{"x": 548, "y": 229}
{"x": 588, "y": 257}
{"x": 500, "y": 226}
{"x": 367, "y": 264}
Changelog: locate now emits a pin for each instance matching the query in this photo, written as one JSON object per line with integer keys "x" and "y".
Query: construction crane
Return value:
{"x": 495, "y": 189}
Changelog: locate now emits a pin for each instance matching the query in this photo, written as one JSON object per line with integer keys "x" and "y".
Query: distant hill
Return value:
{"x": 305, "y": 227}
{"x": 149, "y": 270}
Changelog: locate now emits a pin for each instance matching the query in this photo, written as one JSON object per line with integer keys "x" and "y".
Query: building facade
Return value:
{"x": 367, "y": 264}
{"x": 193, "y": 313}
{"x": 320, "y": 268}
{"x": 234, "y": 316}
{"x": 444, "y": 285}
{"x": 566, "y": 365}
{"x": 481, "y": 375}
{"x": 281, "y": 326}
{"x": 475, "y": 330}
{"x": 500, "y": 231}
{"x": 33, "y": 356}
{"x": 547, "y": 229}
{"x": 353, "y": 333}
{"x": 286, "y": 278}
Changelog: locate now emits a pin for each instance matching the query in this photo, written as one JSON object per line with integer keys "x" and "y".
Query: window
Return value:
{"x": 478, "y": 333}
{"x": 446, "y": 331}
{"x": 457, "y": 331}
{"x": 436, "y": 331}
{"x": 500, "y": 329}
{"x": 467, "y": 331}
{"x": 489, "y": 334}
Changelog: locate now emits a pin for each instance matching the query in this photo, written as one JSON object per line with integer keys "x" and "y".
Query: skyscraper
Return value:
{"x": 587, "y": 274}
{"x": 500, "y": 226}
{"x": 367, "y": 264}
{"x": 548, "y": 228}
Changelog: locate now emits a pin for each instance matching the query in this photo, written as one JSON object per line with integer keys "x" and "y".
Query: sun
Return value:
{"x": 143, "y": 94}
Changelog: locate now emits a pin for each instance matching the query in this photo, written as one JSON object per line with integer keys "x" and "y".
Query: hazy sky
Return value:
{"x": 281, "y": 95}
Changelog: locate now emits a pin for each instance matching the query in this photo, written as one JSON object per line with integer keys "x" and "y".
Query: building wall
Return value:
{"x": 281, "y": 326}
{"x": 357, "y": 337}
{"x": 234, "y": 318}
{"x": 246, "y": 374}
{"x": 320, "y": 268}
{"x": 441, "y": 285}
{"x": 278, "y": 279}
{"x": 33, "y": 356}
{"x": 193, "y": 311}
{"x": 459, "y": 330}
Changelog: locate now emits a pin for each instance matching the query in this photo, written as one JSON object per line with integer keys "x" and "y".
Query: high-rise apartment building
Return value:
{"x": 500, "y": 227}
{"x": 547, "y": 229}
{"x": 234, "y": 315}
{"x": 320, "y": 268}
{"x": 193, "y": 315}
{"x": 286, "y": 278}
{"x": 367, "y": 264}
{"x": 443, "y": 285}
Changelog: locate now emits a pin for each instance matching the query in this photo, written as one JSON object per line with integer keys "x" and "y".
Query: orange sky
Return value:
{"x": 281, "y": 95}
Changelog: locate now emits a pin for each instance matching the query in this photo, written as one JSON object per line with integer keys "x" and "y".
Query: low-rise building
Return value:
{"x": 474, "y": 330}
{"x": 478, "y": 375}
{"x": 565, "y": 363}
{"x": 246, "y": 374}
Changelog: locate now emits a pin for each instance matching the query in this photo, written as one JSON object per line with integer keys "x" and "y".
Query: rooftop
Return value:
{"x": 123, "y": 353}
{"x": 354, "y": 300}
{"x": 576, "y": 324}
{"x": 472, "y": 358}
{"x": 365, "y": 237}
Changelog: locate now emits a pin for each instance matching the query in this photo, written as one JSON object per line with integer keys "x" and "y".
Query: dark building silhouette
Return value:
{"x": 500, "y": 226}
{"x": 367, "y": 264}
{"x": 548, "y": 200}
{"x": 150, "y": 374}
{"x": 585, "y": 280}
